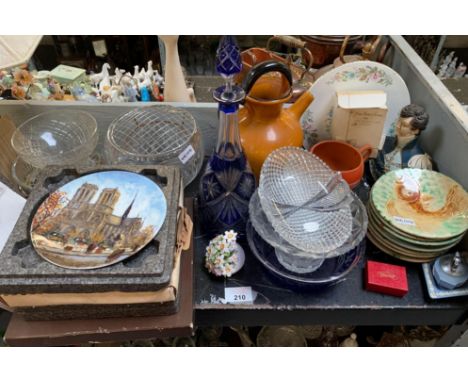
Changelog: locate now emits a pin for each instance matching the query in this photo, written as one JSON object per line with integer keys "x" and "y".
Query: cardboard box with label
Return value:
{"x": 359, "y": 118}
{"x": 67, "y": 74}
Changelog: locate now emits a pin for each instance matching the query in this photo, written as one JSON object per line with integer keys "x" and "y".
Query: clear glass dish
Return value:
{"x": 332, "y": 271}
{"x": 24, "y": 175}
{"x": 156, "y": 135}
{"x": 306, "y": 202}
{"x": 64, "y": 137}
{"x": 289, "y": 256}
{"x": 299, "y": 261}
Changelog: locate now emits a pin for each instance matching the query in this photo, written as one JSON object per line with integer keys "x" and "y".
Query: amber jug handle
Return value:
{"x": 262, "y": 68}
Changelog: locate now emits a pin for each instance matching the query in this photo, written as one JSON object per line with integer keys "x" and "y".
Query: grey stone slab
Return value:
{"x": 22, "y": 270}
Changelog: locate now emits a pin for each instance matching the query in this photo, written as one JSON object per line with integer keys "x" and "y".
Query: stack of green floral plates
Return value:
{"x": 417, "y": 215}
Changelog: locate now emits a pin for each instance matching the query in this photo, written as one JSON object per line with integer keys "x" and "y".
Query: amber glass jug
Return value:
{"x": 264, "y": 124}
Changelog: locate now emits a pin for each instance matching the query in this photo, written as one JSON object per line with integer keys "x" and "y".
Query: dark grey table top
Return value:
{"x": 344, "y": 303}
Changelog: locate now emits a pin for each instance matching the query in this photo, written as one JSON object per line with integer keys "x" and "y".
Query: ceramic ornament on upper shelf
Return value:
{"x": 118, "y": 74}
{"x": 136, "y": 72}
{"x": 150, "y": 71}
{"x": 158, "y": 79}
{"x": 98, "y": 77}
{"x": 175, "y": 88}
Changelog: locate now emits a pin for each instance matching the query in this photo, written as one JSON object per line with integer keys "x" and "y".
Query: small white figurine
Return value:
{"x": 117, "y": 76}
{"x": 142, "y": 74}
{"x": 136, "y": 70}
{"x": 351, "y": 341}
{"x": 150, "y": 70}
{"x": 98, "y": 77}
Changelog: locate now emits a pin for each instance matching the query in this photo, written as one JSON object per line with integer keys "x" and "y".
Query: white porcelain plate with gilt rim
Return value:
{"x": 354, "y": 76}
{"x": 98, "y": 219}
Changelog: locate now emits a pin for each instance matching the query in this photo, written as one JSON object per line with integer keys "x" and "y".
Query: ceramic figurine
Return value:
{"x": 156, "y": 93}
{"x": 145, "y": 82}
{"x": 403, "y": 150}
{"x": 129, "y": 89}
{"x": 224, "y": 256}
{"x": 351, "y": 341}
{"x": 175, "y": 89}
{"x": 150, "y": 71}
{"x": 144, "y": 94}
{"x": 158, "y": 79}
{"x": 136, "y": 72}
{"x": 105, "y": 84}
{"x": 445, "y": 64}
{"x": 23, "y": 77}
{"x": 18, "y": 92}
{"x": 117, "y": 76}
{"x": 228, "y": 182}
{"x": 142, "y": 74}
{"x": 130, "y": 94}
{"x": 55, "y": 90}
{"x": 451, "y": 68}
{"x": 98, "y": 77}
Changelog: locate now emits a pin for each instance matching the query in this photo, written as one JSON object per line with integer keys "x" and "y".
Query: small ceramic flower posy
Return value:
{"x": 224, "y": 256}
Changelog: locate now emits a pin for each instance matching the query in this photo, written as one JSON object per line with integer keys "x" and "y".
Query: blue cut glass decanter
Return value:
{"x": 228, "y": 182}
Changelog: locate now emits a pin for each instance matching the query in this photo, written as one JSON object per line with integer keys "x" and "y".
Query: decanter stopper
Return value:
{"x": 228, "y": 64}
{"x": 228, "y": 58}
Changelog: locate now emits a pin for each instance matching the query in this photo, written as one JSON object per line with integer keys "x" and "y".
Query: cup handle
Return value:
{"x": 365, "y": 151}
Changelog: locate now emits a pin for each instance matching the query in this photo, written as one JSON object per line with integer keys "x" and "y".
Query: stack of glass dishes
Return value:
{"x": 65, "y": 137}
{"x": 157, "y": 135}
{"x": 306, "y": 226}
{"x": 417, "y": 215}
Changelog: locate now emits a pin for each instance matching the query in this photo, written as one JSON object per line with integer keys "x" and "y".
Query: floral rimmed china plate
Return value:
{"x": 354, "y": 76}
{"x": 98, "y": 219}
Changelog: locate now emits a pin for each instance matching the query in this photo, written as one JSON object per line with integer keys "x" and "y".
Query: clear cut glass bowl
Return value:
{"x": 289, "y": 256}
{"x": 160, "y": 134}
{"x": 306, "y": 202}
{"x": 64, "y": 137}
{"x": 332, "y": 271}
{"x": 295, "y": 260}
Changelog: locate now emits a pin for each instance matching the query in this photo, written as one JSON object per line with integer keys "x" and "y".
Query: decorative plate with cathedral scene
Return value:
{"x": 98, "y": 219}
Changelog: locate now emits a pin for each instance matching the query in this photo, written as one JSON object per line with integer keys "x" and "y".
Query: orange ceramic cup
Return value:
{"x": 343, "y": 157}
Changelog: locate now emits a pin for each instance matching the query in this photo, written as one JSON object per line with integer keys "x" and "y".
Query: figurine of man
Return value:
{"x": 403, "y": 150}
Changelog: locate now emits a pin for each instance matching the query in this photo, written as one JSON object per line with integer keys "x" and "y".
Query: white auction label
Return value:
{"x": 185, "y": 155}
{"x": 240, "y": 295}
{"x": 404, "y": 221}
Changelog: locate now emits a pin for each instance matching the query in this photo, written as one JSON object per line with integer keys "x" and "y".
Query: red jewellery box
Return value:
{"x": 386, "y": 278}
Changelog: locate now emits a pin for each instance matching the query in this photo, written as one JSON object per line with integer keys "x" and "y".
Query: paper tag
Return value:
{"x": 185, "y": 155}
{"x": 404, "y": 221}
{"x": 240, "y": 295}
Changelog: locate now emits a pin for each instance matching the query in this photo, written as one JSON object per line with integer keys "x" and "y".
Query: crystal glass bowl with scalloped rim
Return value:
{"x": 305, "y": 201}
{"x": 332, "y": 270}
{"x": 160, "y": 134}
{"x": 64, "y": 137}
{"x": 295, "y": 260}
